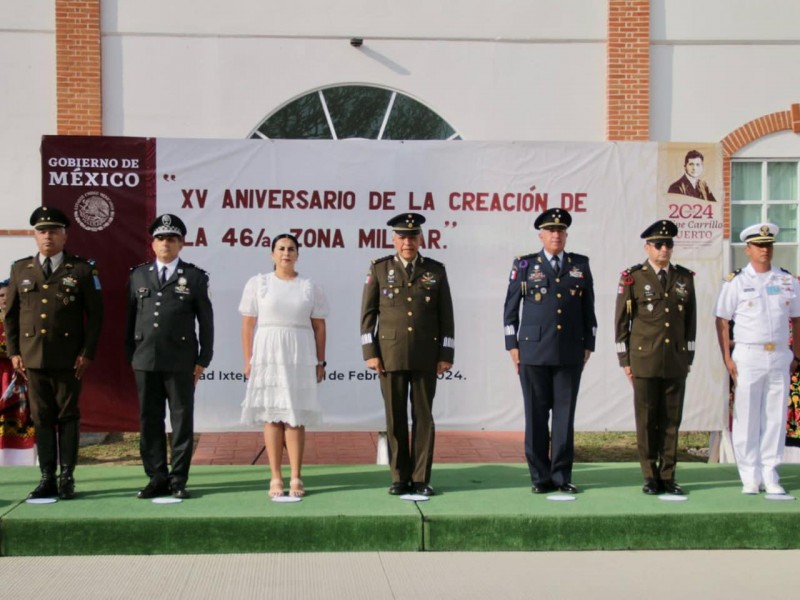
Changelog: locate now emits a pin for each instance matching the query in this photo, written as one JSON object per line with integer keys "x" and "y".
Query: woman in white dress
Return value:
{"x": 283, "y": 343}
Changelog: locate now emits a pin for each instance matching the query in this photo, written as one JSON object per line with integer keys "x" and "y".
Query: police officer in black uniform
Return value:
{"x": 549, "y": 345}
{"x": 165, "y": 300}
{"x": 53, "y": 321}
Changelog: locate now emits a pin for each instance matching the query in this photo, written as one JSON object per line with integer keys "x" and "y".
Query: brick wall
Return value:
{"x": 628, "y": 63}
{"x": 78, "y": 67}
{"x": 786, "y": 120}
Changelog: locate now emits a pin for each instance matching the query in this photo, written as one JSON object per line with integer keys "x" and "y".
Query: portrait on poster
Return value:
{"x": 690, "y": 184}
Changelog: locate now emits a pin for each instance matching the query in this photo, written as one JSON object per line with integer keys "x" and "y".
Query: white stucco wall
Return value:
{"x": 504, "y": 70}
{"x": 717, "y": 64}
{"x": 493, "y": 70}
{"x": 28, "y": 109}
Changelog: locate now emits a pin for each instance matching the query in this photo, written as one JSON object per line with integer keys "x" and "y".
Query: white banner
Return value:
{"x": 480, "y": 201}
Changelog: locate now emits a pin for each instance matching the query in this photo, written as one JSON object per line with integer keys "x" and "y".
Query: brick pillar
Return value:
{"x": 78, "y": 67}
{"x": 628, "y": 65}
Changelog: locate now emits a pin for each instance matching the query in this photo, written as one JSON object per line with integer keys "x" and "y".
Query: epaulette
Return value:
{"x": 732, "y": 274}
{"x": 684, "y": 270}
{"x": 76, "y": 258}
{"x": 22, "y": 260}
{"x": 427, "y": 259}
{"x": 576, "y": 255}
{"x": 525, "y": 257}
{"x": 382, "y": 259}
{"x": 149, "y": 262}
{"x": 185, "y": 265}
{"x": 787, "y": 271}
{"x": 626, "y": 277}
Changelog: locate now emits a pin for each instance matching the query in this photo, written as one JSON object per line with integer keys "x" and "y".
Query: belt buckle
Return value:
{"x": 769, "y": 347}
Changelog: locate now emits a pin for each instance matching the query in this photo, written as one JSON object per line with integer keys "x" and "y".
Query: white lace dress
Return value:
{"x": 283, "y": 374}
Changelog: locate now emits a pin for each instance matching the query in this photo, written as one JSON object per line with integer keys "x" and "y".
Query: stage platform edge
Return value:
{"x": 479, "y": 507}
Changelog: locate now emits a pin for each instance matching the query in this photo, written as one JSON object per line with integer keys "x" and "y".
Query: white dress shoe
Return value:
{"x": 775, "y": 488}
{"x": 750, "y": 488}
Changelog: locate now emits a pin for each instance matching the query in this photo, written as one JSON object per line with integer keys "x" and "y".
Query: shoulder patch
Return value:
{"x": 382, "y": 259}
{"x": 732, "y": 274}
{"x": 626, "y": 277}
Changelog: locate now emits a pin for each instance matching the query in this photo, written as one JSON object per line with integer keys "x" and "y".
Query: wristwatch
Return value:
{"x": 322, "y": 364}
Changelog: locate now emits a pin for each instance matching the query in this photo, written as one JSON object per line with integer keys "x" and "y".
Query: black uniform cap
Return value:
{"x": 46, "y": 217}
{"x": 167, "y": 224}
{"x": 553, "y": 218}
{"x": 406, "y": 224}
{"x": 660, "y": 230}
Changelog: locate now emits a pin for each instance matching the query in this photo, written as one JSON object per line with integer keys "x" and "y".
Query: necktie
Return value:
{"x": 409, "y": 268}
{"x": 47, "y": 267}
{"x": 163, "y": 275}
{"x": 556, "y": 264}
{"x": 662, "y": 277}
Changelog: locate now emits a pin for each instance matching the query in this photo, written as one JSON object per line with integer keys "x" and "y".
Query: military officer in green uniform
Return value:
{"x": 53, "y": 322}
{"x": 656, "y": 319}
{"x": 407, "y": 336}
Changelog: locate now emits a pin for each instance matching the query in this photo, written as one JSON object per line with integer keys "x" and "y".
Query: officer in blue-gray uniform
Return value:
{"x": 549, "y": 345}
{"x": 169, "y": 342}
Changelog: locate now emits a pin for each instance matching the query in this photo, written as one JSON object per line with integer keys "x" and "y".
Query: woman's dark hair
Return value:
{"x": 4, "y": 283}
{"x": 281, "y": 236}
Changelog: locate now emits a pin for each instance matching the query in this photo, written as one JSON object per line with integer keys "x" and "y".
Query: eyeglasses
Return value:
{"x": 658, "y": 245}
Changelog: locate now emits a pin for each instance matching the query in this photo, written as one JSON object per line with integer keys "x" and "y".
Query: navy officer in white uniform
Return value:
{"x": 549, "y": 345}
{"x": 760, "y": 300}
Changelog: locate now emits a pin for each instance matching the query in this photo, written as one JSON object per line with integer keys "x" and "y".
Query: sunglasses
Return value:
{"x": 660, "y": 244}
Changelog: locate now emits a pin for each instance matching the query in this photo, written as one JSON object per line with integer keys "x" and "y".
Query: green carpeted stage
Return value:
{"x": 479, "y": 507}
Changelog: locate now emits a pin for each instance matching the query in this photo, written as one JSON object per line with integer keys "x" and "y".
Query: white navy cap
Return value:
{"x": 760, "y": 233}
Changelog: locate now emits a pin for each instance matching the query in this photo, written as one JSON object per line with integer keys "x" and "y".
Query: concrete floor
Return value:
{"x": 376, "y": 575}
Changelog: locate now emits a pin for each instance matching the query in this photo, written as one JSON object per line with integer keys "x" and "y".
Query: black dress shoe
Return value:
{"x": 423, "y": 489}
{"x": 543, "y": 487}
{"x": 47, "y": 488}
{"x": 154, "y": 489}
{"x": 568, "y": 488}
{"x": 66, "y": 487}
{"x": 66, "y": 483}
{"x": 179, "y": 491}
{"x": 670, "y": 487}
{"x": 651, "y": 487}
{"x": 399, "y": 488}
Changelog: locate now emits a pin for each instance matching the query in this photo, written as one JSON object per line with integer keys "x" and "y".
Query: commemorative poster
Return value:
{"x": 480, "y": 200}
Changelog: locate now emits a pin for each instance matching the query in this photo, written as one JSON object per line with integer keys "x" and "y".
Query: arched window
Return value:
{"x": 355, "y": 111}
